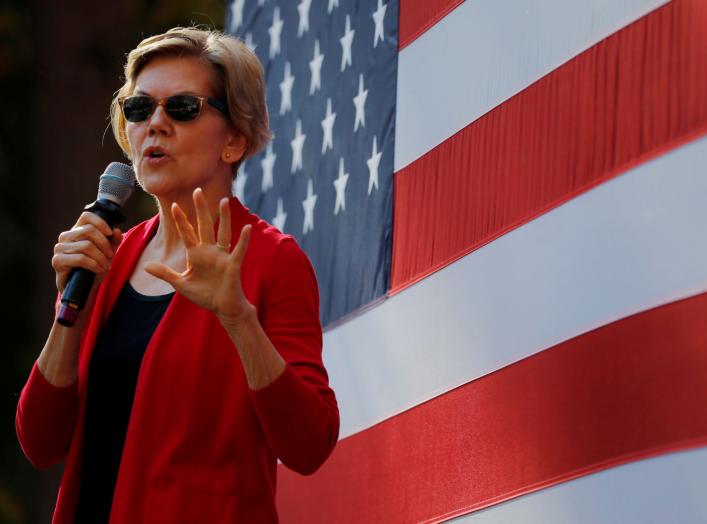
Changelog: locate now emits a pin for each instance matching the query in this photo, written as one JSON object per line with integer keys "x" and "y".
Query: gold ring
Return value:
{"x": 225, "y": 248}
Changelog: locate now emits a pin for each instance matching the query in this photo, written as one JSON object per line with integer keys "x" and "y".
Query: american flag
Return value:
{"x": 542, "y": 339}
{"x": 327, "y": 175}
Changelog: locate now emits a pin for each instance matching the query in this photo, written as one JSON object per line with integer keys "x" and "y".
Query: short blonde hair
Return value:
{"x": 239, "y": 75}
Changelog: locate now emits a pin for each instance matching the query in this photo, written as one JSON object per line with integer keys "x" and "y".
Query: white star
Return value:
{"x": 249, "y": 42}
{"x": 308, "y": 205}
{"x": 279, "y": 220}
{"x": 267, "y": 164}
{"x": 378, "y": 16}
{"x": 346, "y": 41}
{"x": 332, "y": 5}
{"x": 373, "y": 163}
{"x": 297, "y": 144}
{"x": 275, "y": 30}
{"x": 303, "y": 9}
{"x": 236, "y": 14}
{"x": 315, "y": 66}
{"x": 286, "y": 90}
{"x": 340, "y": 186}
{"x": 238, "y": 186}
{"x": 360, "y": 101}
{"x": 328, "y": 128}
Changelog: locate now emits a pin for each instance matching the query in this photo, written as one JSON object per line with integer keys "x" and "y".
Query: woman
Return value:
{"x": 175, "y": 407}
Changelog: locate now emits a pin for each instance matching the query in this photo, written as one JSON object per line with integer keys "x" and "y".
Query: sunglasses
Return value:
{"x": 181, "y": 108}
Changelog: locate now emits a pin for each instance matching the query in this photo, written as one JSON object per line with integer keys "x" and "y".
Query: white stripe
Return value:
{"x": 486, "y": 51}
{"x": 628, "y": 245}
{"x": 669, "y": 488}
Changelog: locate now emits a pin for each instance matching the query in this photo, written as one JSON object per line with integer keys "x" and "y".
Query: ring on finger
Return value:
{"x": 221, "y": 246}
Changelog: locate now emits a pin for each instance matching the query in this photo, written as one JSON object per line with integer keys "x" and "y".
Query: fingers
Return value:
{"x": 64, "y": 263}
{"x": 166, "y": 273}
{"x": 116, "y": 238}
{"x": 85, "y": 246}
{"x": 89, "y": 232}
{"x": 90, "y": 218}
{"x": 224, "y": 224}
{"x": 68, "y": 261}
{"x": 205, "y": 224}
{"x": 184, "y": 227}
{"x": 242, "y": 246}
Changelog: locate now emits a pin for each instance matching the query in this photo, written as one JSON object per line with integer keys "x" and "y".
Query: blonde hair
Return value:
{"x": 239, "y": 74}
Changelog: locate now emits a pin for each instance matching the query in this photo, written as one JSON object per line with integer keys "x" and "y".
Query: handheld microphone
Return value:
{"x": 115, "y": 186}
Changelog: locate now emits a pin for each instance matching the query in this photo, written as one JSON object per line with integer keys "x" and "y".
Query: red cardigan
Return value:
{"x": 201, "y": 446}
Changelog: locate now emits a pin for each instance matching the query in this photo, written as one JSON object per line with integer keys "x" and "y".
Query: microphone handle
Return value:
{"x": 80, "y": 281}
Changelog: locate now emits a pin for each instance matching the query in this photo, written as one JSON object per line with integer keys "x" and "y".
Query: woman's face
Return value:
{"x": 194, "y": 152}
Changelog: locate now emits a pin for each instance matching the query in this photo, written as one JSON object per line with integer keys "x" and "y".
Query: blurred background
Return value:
{"x": 60, "y": 63}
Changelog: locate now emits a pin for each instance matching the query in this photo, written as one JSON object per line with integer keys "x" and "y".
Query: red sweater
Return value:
{"x": 200, "y": 445}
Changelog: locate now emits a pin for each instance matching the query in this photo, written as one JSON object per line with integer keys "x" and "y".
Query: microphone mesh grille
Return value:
{"x": 117, "y": 183}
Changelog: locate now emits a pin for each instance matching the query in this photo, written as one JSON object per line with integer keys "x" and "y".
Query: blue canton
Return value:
{"x": 327, "y": 175}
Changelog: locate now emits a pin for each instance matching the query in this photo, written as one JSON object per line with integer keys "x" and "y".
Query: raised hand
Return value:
{"x": 212, "y": 278}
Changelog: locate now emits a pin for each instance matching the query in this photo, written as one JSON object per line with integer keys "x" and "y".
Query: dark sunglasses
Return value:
{"x": 182, "y": 108}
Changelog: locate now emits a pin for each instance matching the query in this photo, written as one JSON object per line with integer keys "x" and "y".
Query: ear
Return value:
{"x": 234, "y": 149}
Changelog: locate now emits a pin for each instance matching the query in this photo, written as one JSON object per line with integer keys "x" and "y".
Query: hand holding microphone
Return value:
{"x": 87, "y": 249}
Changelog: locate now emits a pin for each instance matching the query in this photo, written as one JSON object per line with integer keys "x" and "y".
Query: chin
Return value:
{"x": 156, "y": 186}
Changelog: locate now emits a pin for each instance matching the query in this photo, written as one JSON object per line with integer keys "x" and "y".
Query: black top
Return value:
{"x": 112, "y": 378}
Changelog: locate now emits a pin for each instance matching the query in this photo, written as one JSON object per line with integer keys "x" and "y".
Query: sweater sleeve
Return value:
{"x": 45, "y": 419}
{"x": 298, "y": 411}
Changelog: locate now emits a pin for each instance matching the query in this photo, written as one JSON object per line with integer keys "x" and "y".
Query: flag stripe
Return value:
{"x": 631, "y": 97}
{"x": 625, "y": 246}
{"x": 630, "y": 389}
{"x": 448, "y": 77}
{"x": 661, "y": 489}
{"x": 417, "y": 17}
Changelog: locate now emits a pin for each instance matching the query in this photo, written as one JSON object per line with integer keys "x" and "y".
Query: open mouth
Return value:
{"x": 154, "y": 153}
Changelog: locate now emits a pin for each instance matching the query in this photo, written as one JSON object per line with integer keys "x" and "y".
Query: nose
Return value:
{"x": 159, "y": 122}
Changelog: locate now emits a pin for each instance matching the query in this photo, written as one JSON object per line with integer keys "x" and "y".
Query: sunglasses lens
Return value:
{"x": 183, "y": 107}
{"x": 138, "y": 108}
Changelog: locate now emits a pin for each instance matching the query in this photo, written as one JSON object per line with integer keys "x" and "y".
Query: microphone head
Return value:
{"x": 116, "y": 183}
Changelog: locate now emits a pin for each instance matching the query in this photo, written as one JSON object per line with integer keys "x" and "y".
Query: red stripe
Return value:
{"x": 417, "y": 16}
{"x": 625, "y": 100}
{"x": 630, "y": 389}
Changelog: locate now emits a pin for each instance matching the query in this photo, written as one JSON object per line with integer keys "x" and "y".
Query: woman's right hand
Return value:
{"x": 90, "y": 244}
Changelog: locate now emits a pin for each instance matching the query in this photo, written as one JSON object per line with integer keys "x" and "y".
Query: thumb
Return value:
{"x": 163, "y": 272}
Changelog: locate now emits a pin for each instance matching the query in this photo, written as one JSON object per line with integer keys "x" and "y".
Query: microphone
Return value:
{"x": 115, "y": 186}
